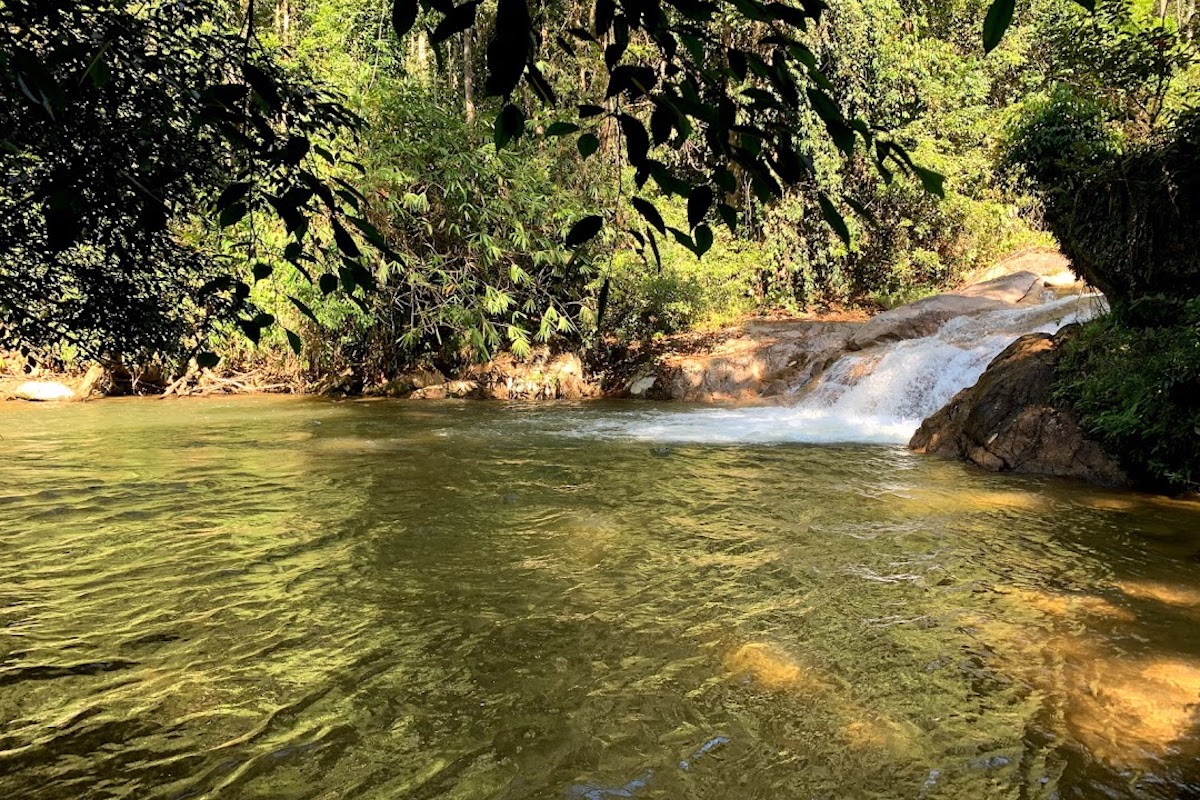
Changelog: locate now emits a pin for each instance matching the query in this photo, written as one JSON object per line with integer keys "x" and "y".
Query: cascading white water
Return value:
{"x": 880, "y": 394}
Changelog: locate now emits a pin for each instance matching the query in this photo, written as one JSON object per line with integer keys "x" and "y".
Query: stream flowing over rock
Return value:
{"x": 946, "y": 364}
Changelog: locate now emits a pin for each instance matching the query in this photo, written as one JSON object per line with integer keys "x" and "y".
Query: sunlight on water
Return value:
{"x": 274, "y": 598}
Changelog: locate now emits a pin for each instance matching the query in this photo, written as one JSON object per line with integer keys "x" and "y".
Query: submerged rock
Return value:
{"x": 1007, "y": 421}
{"x": 44, "y": 391}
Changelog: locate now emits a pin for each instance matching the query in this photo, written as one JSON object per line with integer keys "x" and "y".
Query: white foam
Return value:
{"x": 879, "y": 395}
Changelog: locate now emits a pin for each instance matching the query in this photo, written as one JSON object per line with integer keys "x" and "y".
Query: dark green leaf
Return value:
{"x": 233, "y": 215}
{"x": 262, "y": 270}
{"x": 294, "y": 341}
{"x": 683, "y": 238}
{"x": 510, "y": 124}
{"x": 508, "y": 51}
{"x": 232, "y": 194}
{"x": 588, "y": 144}
{"x": 602, "y": 303}
{"x": 649, "y": 212}
{"x": 540, "y": 85}
{"x": 207, "y": 360}
{"x": 250, "y": 329}
{"x": 930, "y": 180}
{"x": 704, "y": 240}
{"x": 584, "y": 230}
{"x": 729, "y": 216}
{"x": 834, "y": 218}
{"x": 637, "y": 141}
{"x": 457, "y": 19}
{"x": 304, "y": 309}
{"x": 699, "y": 201}
{"x": 999, "y": 17}
{"x": 561, "y": 128}
{"x": 654, "y": 248}
{"x": 345, "y": 242}
{"x": 328, "y": 283}
{"x": 404, "y": 14}
{"x": 263, "y": 85}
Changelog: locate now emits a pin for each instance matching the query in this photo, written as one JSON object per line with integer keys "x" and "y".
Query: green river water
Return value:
{"x": 288, "y": 598}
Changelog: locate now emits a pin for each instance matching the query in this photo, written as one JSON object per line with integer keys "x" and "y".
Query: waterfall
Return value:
{"x": 879, "y": 394}
{"x": 904, "y": 382}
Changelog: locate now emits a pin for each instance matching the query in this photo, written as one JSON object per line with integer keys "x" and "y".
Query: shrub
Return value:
{"x": 1133, "y": 377}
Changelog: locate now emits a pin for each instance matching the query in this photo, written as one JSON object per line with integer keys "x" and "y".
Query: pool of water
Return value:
{"x": 287, "y": 598}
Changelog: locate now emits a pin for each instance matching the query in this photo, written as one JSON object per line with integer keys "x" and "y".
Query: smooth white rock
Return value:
{"x": 44, "y": 391}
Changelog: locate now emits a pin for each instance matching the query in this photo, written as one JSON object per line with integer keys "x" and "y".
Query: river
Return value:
{"x": 291, "y": 598}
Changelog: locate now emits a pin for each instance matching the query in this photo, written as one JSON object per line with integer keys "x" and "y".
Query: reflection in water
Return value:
{"x": 293, "y": 599}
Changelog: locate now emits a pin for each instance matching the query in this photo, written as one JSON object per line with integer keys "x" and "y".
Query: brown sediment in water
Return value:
{"x": 1068, "y": 605}
{"x": 774, "y": 669}
{"x": 1129, "y": 710}
{"x": 1174, "y": 595}
{"x": 862, "y": 728}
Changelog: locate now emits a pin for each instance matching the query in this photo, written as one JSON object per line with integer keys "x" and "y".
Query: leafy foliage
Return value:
{"x": 483, "y": 263}
{"x": 1120, "y": 189}
{"x": 121, "y": 124}
{"x": 1133, "y": 377}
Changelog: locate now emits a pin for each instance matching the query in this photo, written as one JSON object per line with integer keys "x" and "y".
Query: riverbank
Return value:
{"x": 847, "y": 376}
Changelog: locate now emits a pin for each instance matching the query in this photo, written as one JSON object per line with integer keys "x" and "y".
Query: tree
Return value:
{"x": 119, "y": 124}
{"x": 124, "y": 121}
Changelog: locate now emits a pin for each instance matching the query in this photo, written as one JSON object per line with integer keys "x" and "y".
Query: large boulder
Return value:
{"x": 542, "y": 375}
{"x": 1008, "y": 422}
{"x": 763, "y": 360}
{"x": 456, "y": 390}
{"x": 404, "y": 385}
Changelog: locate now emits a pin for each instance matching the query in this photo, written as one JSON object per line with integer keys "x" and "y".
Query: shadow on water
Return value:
{"x": 292, "y": 599}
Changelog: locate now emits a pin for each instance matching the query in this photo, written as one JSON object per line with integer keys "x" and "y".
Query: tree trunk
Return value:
{"x": 468, "y": 75}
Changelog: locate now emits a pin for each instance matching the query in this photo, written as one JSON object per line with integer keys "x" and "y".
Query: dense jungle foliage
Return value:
{"x": 291, "y": 182}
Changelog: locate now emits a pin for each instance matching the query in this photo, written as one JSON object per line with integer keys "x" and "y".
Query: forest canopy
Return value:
{"x": 180, "y": 178}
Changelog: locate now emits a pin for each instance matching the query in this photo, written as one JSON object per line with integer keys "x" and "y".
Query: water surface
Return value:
{"x": 278, "y": 598}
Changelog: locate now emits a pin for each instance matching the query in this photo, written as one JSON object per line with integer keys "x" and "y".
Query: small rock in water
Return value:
{"x": 930, "y": 781}
{"x": 44, "y": 391}
{"x": 990, "y": 762}
{"x": 662, "y": 452}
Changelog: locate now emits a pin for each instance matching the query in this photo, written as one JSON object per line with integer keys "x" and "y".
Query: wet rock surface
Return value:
{"x": 767, "y": 359}
{"x": 1007, "y": 421}
{"x": 43, "y": 391}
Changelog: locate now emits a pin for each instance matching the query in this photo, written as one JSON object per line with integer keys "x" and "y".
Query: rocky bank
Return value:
{"x": 1008, "y": 421}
